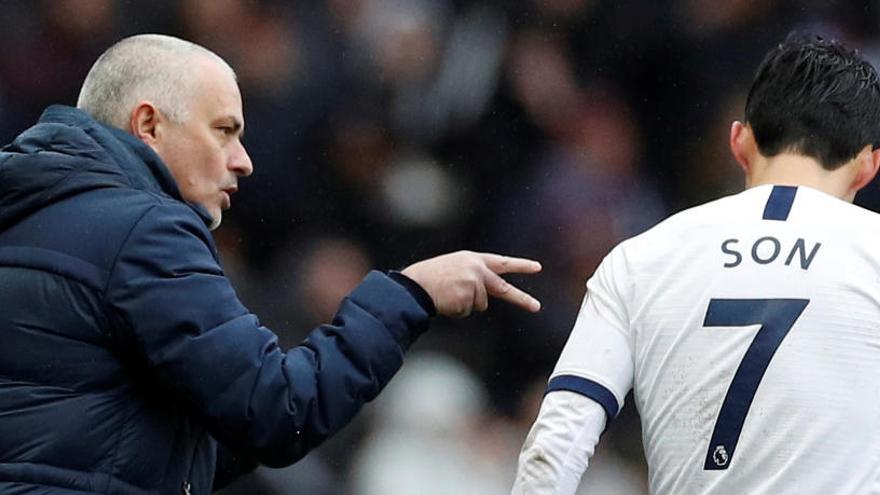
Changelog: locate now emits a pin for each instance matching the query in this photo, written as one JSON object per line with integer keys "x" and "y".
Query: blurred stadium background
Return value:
{"x": 385, "y": 131}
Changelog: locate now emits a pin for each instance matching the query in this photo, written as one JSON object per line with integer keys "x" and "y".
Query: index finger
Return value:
{"x": 502, "y": 289}
{"x": 508, "y": 264}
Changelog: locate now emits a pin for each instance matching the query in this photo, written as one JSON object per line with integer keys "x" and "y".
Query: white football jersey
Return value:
{"x": 749, "y": 331}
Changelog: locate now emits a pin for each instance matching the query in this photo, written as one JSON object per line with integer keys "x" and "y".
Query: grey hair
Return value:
{"x": 152, "y": 67}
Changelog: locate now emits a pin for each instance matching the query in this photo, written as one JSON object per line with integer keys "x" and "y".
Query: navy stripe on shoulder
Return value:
{"x": 587, "y": 388}
{"x": 779, "y": 203}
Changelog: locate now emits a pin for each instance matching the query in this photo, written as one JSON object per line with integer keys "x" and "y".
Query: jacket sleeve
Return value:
{"x": 172, "y": 300}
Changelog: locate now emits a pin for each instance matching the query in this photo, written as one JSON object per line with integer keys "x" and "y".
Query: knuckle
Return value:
{"x": 469, "y": 281}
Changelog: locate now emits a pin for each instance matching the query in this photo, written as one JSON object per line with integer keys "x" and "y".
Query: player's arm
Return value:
{"x": 586, "y": 390}
{"x": 558, "y": 448}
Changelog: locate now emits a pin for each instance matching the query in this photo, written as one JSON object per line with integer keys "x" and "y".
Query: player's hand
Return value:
{"x": 461, "y": 282}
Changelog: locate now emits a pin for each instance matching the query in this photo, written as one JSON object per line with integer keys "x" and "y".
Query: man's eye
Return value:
{"x": 227, "y": 130}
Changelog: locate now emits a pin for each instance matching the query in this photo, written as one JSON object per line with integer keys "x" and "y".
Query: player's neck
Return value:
{"x": 798, "y": 170}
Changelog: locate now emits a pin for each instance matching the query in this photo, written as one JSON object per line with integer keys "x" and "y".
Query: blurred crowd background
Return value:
{"x": 386, "y": 131}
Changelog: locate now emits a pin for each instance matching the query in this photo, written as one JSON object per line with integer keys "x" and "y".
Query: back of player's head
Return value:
{"x": 814, "y": 97}
{"x": 152, "y": 67}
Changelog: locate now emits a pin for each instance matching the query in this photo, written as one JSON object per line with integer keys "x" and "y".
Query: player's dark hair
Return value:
{"x": 814, "y": 97}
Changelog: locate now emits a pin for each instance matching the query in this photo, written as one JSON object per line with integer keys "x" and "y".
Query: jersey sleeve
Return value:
{"x": 597, "y": 360}
{"x": 586, "y": 389}
{"x": 559, "y": 446}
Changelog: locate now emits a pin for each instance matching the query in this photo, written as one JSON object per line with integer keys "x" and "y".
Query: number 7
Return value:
{"x": 776, "y": 317}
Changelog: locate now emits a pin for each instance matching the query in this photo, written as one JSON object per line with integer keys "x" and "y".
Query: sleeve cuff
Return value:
{"x": 416, "y": 290}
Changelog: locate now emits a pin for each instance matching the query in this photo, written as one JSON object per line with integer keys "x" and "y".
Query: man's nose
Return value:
{"x": 240, "y": 163}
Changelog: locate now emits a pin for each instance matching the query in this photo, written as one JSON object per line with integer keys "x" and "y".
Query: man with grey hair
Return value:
{"x": 129, "y": 365}
{"x": 151, "y": 83}
{"x": 150, "y": 67}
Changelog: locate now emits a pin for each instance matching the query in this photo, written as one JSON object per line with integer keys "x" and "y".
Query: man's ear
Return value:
{"x": 868, "y": 162}
{"x": 145, "y": 121}
{"x": 743, "y": 145}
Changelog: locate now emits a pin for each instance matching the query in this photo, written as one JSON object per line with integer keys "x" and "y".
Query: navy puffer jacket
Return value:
{"x": 125, "y": 355}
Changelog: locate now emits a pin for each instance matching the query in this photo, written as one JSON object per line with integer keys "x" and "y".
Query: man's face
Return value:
{"x": 205, "y": 153}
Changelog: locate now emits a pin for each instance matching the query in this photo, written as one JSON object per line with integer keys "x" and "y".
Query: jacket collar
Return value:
{"x": 140, "y": 164}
